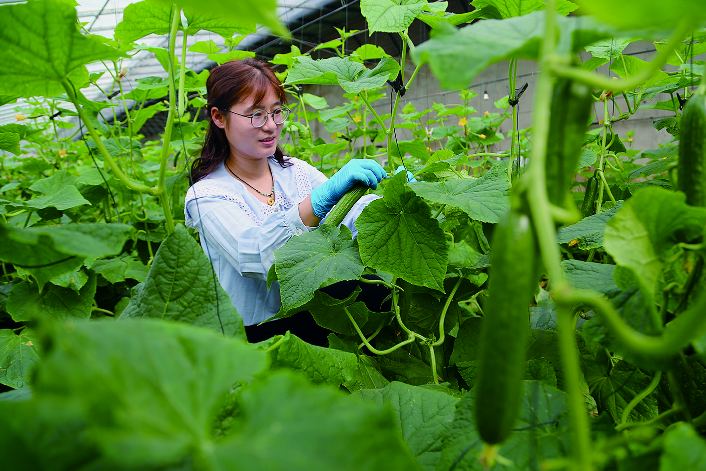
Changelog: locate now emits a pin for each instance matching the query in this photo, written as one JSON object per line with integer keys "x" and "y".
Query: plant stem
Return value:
{"x": 414, "y": 74}
{"x": 142, "y": 188}
{"x": 432, "y": 357}
{"x": 442, "y": 319}
{"x": 166, "y": 138}
{"x": 607, "y": 188}
{"x": 689, "y": 325}
{"x": 396, "y": 308}
{"x": 367, "y": 344}
{"x": 660, "y": 418}
{"x": 546, "y": 236}
{"x": 364, "y": 97}
{"x": 637, "y": 399}
{"x": 182, "y": 75}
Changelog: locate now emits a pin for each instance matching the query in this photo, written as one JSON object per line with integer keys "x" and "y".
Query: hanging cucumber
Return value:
{"x": 588, "y": 208}
{"x": 570, "y": 111}
{"x": 501, "y": 367}
{"x": 339, "y": 211}
{"x": 691, "y": 172}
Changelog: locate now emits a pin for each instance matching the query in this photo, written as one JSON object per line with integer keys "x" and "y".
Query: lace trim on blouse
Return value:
{"x": 282, "y": 201}
{"x": 302, "y": 180}
{"x": 212, "y": 191}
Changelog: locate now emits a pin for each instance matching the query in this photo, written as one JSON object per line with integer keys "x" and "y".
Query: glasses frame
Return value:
{"x": 267, "y": 115}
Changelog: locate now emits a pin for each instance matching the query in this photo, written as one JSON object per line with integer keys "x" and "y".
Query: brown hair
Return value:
{"x": 227, "y": 85}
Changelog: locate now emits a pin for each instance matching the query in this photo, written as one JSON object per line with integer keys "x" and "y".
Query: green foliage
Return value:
{"x": 42, "y": 48}
{"x": 401, "y": 223}
{"x": 180, "y": 287}
{"x": 88, "y": 233}
{"x": 541, "y": 431}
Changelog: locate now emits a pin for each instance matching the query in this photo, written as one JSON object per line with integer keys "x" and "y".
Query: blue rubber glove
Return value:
{"x": 410, "y": 177}
{"x": 367, "y": 171}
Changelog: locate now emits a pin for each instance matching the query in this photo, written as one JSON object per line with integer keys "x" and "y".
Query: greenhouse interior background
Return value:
{"x": 314, "y": 22}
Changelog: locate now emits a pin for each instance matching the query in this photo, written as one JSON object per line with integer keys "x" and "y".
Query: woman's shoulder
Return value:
{"x": 217, "y": 184}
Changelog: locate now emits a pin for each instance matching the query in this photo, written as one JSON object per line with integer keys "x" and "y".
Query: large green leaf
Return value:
{"x": 510, "y": 8}
{"x": 590, "y": 275}
{"x": 643, "y": 233}
{"x": 67, "y": 197}
{"x": 398, "y": 235}
{"x": 315, "y": 259}
{"x": 390, "y": 16}
{"x": 18, "y": 355}
{"x": 609, "y": 49}
{"x": 352, "y": 76}
{"x": 627, "y": 66}
{"x": 286, "y": 423}
{"x": 484, "y": 199}
{"x": 120, "y": 268}
{"x": 423, "y": 417}
{"x": 588, "y": 231}
{"x": 10, "y": 142}
{"x": 322, "y": 72}
{"x": 59, "y": 192}
{"x": 326, "y": 366}
{"x": 46, "y": 252}
{"x": 145, "y": 392}
{"x": 371, "y": 79}
{"x": 615, "y": 386}
{"x": 226, "y": 28}
{"x": 456, "y": 56}
{"x": 41, "y": 46}
{"x": 465, "y": 348}
{"x": 27, "y": 303}
{"x": 237, "y": 13}
{"x": 433, "y": 19}
{"x": 683, "y": 449}
{"x": 644, "y": 14}
{"x": 541, "y": 432}
{"x": 143, "y": 18}
{"x": 181, "y": 286}
{"x": 149, "y": 17}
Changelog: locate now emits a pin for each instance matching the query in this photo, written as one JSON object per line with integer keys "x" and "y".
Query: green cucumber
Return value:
{"x": 339, "y": 211}
{"x": 691, "y": 171}
{"x": 505, "y": 332}
{"x": 570, "y": 110}
{"x": 588, "y": 208}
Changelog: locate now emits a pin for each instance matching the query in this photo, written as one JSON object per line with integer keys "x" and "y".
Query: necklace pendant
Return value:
{"x": 271, "y": 200}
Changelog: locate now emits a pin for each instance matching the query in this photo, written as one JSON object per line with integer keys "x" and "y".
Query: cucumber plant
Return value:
{"x": 613, "y": 319}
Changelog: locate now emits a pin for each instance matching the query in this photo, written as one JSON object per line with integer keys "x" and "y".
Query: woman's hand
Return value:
{"x": 367, "y": 171}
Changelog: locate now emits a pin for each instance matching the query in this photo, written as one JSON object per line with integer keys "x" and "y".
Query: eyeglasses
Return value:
{"x": 259, "y": 118}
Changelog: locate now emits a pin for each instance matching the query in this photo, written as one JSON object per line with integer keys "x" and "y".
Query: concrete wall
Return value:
{"x": 425, "y": 91}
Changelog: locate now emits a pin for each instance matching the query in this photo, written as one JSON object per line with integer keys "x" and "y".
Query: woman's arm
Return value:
{"x": 226, "y": 226}
{"x": 306, "y": 213}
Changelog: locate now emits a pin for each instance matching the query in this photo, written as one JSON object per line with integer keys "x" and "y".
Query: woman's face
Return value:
{"x": 247, "y": 142}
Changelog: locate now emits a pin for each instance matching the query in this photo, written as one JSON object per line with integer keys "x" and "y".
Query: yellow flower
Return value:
{"x": 482, "y": 136}
{"x": 487, "y": 114}
{"x": 62, "y": 153}
{"x": 357, "y": 118}
{"x": 629, "y": 139}
{"x": 462, "y": 122}
{"x": 334, "y": 135}
{"x": 428, "y": 149}
{"x": 20, "y": 117}
{"x": 573, "y": 242}
{"x": 356, "y": 99}
{"x": 601, "y": 121}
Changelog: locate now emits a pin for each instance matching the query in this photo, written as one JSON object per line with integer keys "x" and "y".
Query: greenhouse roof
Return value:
{"x": 102, "y": 16}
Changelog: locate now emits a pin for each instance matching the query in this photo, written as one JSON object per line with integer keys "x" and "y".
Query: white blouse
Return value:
{"x": 240, "y": 233}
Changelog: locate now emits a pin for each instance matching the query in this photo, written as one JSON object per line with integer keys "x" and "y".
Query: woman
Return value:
{"x": 248, "y": 199}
